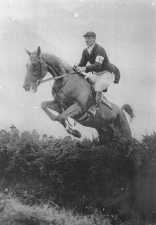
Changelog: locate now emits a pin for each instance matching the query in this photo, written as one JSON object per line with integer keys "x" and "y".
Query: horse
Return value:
{"x": 73, "y": 97}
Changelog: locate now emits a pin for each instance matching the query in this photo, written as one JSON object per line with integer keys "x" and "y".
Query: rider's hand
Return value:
{"x": 75, "y": 67}
{"x": 82, "y": 69}
{"x": 79, "y": 69}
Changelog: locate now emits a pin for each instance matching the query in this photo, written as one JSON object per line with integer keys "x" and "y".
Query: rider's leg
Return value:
{"x": 102, "y": 84}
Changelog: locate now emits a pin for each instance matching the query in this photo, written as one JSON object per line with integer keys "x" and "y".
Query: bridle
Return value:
{"x": 51, "y": 70}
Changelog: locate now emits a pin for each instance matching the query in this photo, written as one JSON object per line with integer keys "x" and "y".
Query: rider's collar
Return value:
{"x": 90, "y": 48}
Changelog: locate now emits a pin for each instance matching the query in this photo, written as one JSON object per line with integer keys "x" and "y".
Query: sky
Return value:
{"x": 126, "y": 29}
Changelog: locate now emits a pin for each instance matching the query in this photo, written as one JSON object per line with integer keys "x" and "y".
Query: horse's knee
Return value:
{"x": 44, "y": 105}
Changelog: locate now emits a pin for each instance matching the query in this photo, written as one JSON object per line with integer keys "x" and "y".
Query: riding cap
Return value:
{"x": 90, "y": 34}
{"x": 12, "y": 126}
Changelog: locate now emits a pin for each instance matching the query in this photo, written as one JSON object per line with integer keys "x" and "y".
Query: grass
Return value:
{"x": 13, "y": 212}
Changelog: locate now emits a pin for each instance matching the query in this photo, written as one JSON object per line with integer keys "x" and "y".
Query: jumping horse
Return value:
{"x": 73, "y": 97}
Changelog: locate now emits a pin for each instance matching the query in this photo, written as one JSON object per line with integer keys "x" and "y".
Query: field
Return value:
{"x": 64, "y": 181}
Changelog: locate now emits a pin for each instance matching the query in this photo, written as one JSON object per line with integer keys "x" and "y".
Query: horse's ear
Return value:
{"x": 38, "y": 51}
{"x": 28, "y": 52}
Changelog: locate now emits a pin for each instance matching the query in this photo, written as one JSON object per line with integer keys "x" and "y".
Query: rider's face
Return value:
{"x": 90, "y": 41}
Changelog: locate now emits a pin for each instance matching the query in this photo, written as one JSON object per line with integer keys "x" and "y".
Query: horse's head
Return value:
{"x": 36, "y": 70}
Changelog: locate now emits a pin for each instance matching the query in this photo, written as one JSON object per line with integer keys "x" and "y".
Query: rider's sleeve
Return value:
{"x": 83, "y": 60}
{"x": 98, "y": 64}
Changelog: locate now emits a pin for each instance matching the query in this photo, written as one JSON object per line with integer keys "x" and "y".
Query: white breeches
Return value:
{"x": 102, "y": 81}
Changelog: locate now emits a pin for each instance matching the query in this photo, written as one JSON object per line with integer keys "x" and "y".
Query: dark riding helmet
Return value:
{"x": 90, "y": 34}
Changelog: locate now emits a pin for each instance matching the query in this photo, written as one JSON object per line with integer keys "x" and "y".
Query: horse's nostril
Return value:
{"x": 26, "y": 88}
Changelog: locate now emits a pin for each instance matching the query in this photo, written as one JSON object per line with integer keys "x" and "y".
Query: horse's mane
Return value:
{"x": 60, "y": 64}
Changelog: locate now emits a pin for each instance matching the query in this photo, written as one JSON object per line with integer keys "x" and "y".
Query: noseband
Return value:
{"x": 41, "y": 69}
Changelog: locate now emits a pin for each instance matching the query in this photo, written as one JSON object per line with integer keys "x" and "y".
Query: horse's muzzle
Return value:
{"x": 30, "y": 88}
{"x": 26, "y": 87}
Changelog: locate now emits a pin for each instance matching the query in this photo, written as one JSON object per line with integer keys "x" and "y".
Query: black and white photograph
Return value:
{"x": 77, "y": 112}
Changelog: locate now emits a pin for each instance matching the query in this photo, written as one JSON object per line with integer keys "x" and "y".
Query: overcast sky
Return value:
{"x": 126, "y": 29}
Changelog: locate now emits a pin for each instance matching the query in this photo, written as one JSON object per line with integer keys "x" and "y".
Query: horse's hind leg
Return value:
{"x": 124, "y": 125}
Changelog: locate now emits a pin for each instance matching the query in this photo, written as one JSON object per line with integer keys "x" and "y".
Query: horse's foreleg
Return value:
{"x": 71, "y": 111}
{"x": 53, "y": 105}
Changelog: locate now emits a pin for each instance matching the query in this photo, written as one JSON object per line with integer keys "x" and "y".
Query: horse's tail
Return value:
{"x": 128, "y": 109}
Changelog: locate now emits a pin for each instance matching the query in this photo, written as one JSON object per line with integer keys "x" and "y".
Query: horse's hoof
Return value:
{"x": 75, "y": 133}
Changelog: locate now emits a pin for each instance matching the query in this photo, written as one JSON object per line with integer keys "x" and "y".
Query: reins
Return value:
{"x": 54, "y": 78}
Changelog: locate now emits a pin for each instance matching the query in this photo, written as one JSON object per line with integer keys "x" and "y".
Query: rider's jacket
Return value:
{"x": 97, "y": 61}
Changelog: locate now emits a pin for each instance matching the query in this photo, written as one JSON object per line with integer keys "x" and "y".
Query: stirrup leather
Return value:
{"x": 106, "y": 102}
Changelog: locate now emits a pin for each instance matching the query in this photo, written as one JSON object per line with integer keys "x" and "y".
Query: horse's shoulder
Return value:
{"x": 79, "y": 80}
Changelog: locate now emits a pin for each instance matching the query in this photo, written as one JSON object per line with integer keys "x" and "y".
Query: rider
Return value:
{"x": 95, "y": 60}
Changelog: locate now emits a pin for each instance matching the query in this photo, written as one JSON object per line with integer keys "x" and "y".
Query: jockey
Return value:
{"x": 95, "y": 60}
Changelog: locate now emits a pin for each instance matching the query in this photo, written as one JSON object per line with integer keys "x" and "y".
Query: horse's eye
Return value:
{"x": 35, "y": 66}
{"x": 34, "y": 63}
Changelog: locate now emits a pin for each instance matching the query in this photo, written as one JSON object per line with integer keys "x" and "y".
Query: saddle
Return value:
{"x": 91, "y": 78}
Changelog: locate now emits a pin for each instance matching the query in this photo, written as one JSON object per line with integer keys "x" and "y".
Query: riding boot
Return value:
{"x": 93, "y": 108}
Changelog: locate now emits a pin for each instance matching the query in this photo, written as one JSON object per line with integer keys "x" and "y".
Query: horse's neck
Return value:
{"x": 57, "y": 63}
